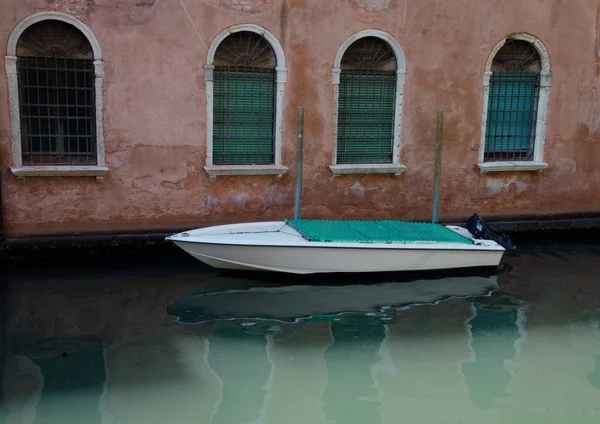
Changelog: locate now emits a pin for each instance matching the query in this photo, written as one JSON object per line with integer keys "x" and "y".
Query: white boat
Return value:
{"x": 309, "y": 247}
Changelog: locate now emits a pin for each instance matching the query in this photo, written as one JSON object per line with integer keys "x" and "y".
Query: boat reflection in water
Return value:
{"x": 237, "y": 298}
{"x": 191, "y": 347}
{"x": 326, "y": 346}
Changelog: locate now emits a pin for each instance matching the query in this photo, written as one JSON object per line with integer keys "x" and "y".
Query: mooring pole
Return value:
{"x": 1, "y": 213}
{"x": 439, "y": 135}
{"x": 299, "y": 159}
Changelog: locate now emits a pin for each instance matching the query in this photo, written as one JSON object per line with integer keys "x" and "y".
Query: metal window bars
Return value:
{"x": 366, "y": 103}
{"x": 243, "y": 115}
{"x": 365, "y": 129}
{"x": 57, "y": 109}
{"x": 511, "y": 116}
{"x": 56, "y": 95}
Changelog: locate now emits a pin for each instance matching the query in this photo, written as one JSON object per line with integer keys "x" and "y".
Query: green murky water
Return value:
{"x": 173, "y": 344}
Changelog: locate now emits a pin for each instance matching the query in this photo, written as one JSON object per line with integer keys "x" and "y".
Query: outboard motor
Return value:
{"x": 481, "y": 230}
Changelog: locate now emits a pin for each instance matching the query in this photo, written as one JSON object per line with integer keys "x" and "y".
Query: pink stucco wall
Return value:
{"x": 154, "y": 114}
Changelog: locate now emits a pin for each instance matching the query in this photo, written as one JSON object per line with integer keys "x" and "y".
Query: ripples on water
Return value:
{"x": 173, "y": 343}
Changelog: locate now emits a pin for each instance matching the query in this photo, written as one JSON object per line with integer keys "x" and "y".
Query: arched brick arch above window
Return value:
{"x": 55, "y": 75}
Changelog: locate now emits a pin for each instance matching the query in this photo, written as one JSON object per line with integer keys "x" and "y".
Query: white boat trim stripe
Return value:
{"x": 394, "y": 246}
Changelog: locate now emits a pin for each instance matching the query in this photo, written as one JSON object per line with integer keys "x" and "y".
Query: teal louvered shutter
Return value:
{"x": 243, "y": 116}
{"x": 511, "y": 116}
{"x": 366, "y": 107}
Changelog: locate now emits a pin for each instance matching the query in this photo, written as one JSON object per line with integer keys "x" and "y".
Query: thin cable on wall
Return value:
{"x": 192, "y": 22}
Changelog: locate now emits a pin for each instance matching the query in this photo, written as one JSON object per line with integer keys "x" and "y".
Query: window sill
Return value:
{"x": 376, "y": 168}
{"x": 511, "y": 166}
{"x": 218, "y": 170}
{"x": 61, "y": 171}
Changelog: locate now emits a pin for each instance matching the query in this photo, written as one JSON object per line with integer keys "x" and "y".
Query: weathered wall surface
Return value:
{"x": 154, "y": 114}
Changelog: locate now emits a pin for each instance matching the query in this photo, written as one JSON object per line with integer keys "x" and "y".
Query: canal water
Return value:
{"x": 170, "y": 341}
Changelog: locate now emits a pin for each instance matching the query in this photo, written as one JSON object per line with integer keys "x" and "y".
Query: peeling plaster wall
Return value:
{"x": 374, "y": 5}
{"x": 154, "y": 114}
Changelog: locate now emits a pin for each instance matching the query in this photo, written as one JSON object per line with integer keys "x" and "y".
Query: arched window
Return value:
{"x": 369, "y": 77}
{"x": 366, "y": 103}
{"x": 55, "y": 78}
{"x": 512, "y": 105}
{"x": 244, "y": 101}
{"x": 245, "y": 73}
{"x": 516, "y": 106}
{"x": 56, "y": 91}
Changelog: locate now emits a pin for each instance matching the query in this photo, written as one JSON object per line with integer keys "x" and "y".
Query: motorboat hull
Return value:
{"x": 258, "y": 247}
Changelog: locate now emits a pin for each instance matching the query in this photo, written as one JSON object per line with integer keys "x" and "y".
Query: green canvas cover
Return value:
{"x": 385, "y": 231}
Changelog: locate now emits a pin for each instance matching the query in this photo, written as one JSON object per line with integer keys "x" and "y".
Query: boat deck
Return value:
{"x": 384, "y": 231}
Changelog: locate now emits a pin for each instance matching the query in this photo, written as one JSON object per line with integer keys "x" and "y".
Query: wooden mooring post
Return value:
{"x": 299, "y": 160}
{"x": 439, "y": 135}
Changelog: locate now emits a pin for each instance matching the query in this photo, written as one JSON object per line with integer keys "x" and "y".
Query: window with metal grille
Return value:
{"x": 513, "y": 103}
{"x": 56, "y": 95}
{"x": 366, "y": 103}
{"x": 244, "y": 101}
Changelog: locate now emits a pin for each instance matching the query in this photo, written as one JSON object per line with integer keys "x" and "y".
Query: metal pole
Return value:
{"x": 1, "y": 211}
{"x": 4, "y": 349}
{"x": 439, "y": 134}
{"x": 299, "y": 159}
{"x": 1, "y": 214}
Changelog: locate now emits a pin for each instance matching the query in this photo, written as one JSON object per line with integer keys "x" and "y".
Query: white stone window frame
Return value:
{"x": 18, "y": 169}
{"x": 276, "y": 169}
{"x": 395, "y": 168}
{"x": 537, "y": 164}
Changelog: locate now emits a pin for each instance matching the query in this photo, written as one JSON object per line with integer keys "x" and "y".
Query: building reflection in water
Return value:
{"x": 298, "y": 373}
{"x": 58, "y": 380}
{"x": 418, "y": 377}
{"x": 315, "y": 367}
{"x": 326, "y": 345}
{"x": 238, "y": 357}
{"x": 594, "y": 376}
{"x": 160, "y": 380}
{"x": 102, "y": 350}
{"x": 351, "y": 395}
{"x": 495, "y": 331}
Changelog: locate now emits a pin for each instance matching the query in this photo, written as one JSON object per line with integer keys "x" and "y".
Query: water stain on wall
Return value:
{"x": 590, "y": 109}
{"x": 374, "y": 5}
{"x": 250, "y": 6}
{"x": 159, "y": 164}
{"x": 74, "y": 7}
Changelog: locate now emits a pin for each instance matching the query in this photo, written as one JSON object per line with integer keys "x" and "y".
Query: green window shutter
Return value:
{"x": 243, "y": 116}
{"x": 365, "y": 129}
{"x": 511, "y": 116}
